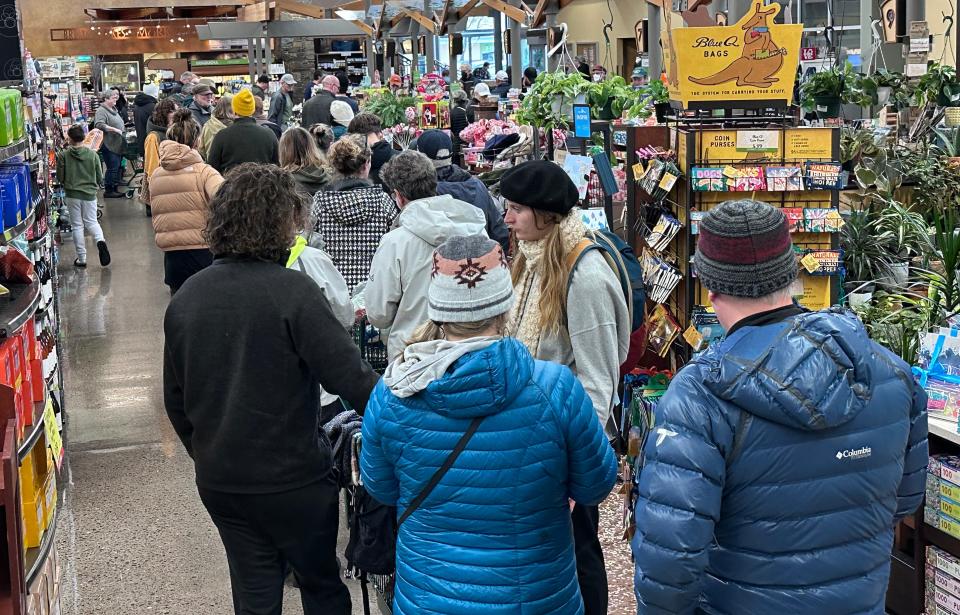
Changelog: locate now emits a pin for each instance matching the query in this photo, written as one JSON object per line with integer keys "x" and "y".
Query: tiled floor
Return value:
{"x": 133, "y": 535}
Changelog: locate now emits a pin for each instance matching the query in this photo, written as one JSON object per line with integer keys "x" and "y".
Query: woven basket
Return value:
{"x": 952, "y": 116}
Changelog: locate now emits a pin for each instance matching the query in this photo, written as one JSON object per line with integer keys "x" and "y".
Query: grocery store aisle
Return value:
{"x": 133, "y": 535}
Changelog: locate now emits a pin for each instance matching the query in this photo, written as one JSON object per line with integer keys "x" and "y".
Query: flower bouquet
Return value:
{"x": 403, "y": 134}
{"x": 480, "y": 131}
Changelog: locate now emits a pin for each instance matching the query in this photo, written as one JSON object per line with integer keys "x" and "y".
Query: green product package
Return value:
{"x": 10, "y": 103}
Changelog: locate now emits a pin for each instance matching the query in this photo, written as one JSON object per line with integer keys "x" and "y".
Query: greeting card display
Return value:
{"x": 708, "y": 179}
{"x": 784, "y": 179}
{"x": 750, "y": 179}
{"x": 824, "y": 176}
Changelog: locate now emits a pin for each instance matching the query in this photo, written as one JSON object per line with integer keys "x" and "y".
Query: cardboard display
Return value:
{"x": 754, "y": 60}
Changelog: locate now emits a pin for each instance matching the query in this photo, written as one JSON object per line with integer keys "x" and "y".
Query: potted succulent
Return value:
{"x": 826, "y": 90}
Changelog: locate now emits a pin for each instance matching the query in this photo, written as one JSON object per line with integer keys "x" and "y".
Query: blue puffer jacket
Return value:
{"x": 779, "y": 463}
{"x": 494, "y": 536}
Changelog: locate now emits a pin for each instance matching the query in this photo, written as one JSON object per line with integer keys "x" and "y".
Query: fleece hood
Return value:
{"x": 437, "y": 218}
{"x": 810, "y": 372}
{"x": 426, "y": 362}
{"x": 175, "y": 156}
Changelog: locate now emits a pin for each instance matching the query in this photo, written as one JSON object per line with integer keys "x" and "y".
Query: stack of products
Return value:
{"x": 704, "y": 328}
{"x": 16, "y": 193}
{"x": 942, "y": 582}
{"x": 44, "y": 592}
{"x": 939, "y": 366}
{"x": 11, "y": 116}
{"x": 38, "y": 494}
{"x": 942, "y": 506}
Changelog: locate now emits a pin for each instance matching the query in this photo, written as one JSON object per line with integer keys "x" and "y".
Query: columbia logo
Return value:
{"x": 855, "y": 453}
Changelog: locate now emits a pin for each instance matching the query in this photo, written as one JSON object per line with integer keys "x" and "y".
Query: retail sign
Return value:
{"x": 753, "y": 60}
{"x": 131, "y": 31}
{"x": 581, "y": 121}
{"x": 808, "y": 144}
{"x": 919, "y": 37}
{"x": 767, "y": 141}
{"x": 808, "y": 54}
{"x": 52, "y": 432}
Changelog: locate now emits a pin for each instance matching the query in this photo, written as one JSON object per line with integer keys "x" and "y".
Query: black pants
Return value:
{"x": 262, "y": 533}
{"x": 591, "y": 570}
{"x": 179, "y": 265}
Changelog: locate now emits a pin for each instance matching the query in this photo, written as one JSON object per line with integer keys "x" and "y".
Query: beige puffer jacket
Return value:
{"x": 180, "y": 193}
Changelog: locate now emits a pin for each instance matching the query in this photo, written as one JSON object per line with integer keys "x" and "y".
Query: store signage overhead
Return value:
{"x": 754, "y": 60}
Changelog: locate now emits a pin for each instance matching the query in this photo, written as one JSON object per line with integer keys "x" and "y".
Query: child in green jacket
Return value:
{"x": 81, "y": 174}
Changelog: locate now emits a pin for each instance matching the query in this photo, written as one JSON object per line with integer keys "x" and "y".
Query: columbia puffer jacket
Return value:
{"x": 180, "y": 193}
{"x": 494, "y": 536}
{"x": 780, "y": 461}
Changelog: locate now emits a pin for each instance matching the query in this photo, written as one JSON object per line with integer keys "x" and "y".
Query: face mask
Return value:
{"x": 598, "y": 76}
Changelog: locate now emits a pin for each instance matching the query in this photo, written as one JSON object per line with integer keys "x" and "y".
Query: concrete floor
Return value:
{"x": 133, "y": 535}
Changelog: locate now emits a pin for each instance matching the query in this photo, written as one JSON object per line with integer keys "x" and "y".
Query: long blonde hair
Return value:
{"x": 431, "y": 330}
{"x": 553, "y": 276}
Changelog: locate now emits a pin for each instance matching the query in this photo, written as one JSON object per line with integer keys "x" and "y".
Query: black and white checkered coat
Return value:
{"x": 352, "y": 215}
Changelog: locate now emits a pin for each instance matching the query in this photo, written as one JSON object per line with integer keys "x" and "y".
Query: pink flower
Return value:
{"x": 411, "y": 114}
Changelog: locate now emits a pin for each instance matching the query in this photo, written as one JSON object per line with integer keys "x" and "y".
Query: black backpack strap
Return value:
{"x": 447, "y": 464}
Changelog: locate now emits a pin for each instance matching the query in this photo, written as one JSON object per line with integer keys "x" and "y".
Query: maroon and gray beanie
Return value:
{"x": 745, "y": 250}
{"x": 470, "y": 281}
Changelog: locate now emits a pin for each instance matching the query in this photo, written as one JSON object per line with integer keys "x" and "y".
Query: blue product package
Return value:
{"x": 11, "y": 199}
{"x": 22, "y": 171}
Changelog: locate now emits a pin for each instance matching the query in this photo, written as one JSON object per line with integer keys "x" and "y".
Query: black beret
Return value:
{"x": 540, "y": 184}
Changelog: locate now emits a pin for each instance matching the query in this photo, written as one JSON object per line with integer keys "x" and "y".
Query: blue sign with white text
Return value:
{"x": 581, "y": 121}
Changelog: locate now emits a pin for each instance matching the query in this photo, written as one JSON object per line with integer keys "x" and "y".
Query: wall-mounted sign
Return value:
{"x": 753, "y": 60}
{"x": 808, "y": 54}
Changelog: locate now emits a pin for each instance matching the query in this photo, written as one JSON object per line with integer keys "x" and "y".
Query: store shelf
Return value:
{"x": 943, "y": 429}
{"x": 39, "y": 241}
{"x": 35, "y": 558}
{"x": 13, "y": 232}
{"x": 14, "y": 149}
{"x": 35, "y": 430}
{"x": 18, "y": 307}
{"x": 34, "y": 165}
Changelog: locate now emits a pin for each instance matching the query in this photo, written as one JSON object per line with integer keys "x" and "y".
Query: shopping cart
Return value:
{"x": 372, "y": 346}
{"x": 133, "y": 157}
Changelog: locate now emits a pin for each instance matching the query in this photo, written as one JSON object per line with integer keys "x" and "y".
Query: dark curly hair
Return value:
{"x": 164, "y": 108}
{"x": 257, "y": 213}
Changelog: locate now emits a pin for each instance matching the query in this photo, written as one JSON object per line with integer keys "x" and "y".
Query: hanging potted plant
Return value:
{"x": 549, "y": 104}
{"x": 825, "y": 91}
{"x": 608, "y": 98}
{"x": 659, "y": 95}
{"x": 881, "y": 85}
{"x": 939, "y": 86}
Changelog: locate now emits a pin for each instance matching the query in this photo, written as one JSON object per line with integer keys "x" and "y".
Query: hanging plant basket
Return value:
{"x": 883, "y": 95}
{"x": 827, "y": 106}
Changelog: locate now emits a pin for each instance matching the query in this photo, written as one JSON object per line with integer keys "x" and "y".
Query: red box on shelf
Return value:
{"x": 22, "y": 337}
{"x": 36, "y": 379}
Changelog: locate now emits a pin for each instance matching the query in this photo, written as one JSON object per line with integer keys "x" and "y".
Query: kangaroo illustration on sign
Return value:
{"x": 760, "y": 59}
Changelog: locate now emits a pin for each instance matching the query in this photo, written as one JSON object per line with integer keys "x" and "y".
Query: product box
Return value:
{"x": 932, "y": 516}
{"x": 11, "y": 108}
{"x": 938, "y": 488}
{"x": 945, "y": 600}
{"x": 947, "y": 467}
{"x": 21, "y": 170}
{"x": 37, "y": 381}
{"x": 49, "y": 499}
{"x": 11, "y": 198}
{"x": 937, "y": 558}
{"x": 32, "y": 507}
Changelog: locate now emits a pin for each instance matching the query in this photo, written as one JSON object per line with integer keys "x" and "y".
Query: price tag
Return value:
{"x": 758, "y": 141}
{"x": 53, "y": 433}
{"x": 638, "y": 170}
{"x": 810, "y": 263}
{"x": 560, "y": 156}
{"x": 667, "y": 181}
{"x": 693, "y": 337}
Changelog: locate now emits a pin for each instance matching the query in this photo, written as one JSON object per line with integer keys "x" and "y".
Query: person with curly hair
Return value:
{"x": 352, "y": 213}
{"x": 180, "y": 194}
{"x": 157, "y": 125}
{"x": 247, "y": 345}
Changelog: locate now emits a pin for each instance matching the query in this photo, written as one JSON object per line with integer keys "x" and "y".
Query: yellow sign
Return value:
{"x": 753, "y": 60}
{"x": 53, "y": 433}
{"x": 816, "y": 292}
{"x": 809, "y": 144}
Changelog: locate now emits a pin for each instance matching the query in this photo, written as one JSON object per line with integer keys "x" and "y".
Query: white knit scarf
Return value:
{"x": 525, "y": 316}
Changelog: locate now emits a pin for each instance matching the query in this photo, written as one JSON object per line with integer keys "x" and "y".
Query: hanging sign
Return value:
{"x": 808, "y": 54}
{"x": 753, "y": 60}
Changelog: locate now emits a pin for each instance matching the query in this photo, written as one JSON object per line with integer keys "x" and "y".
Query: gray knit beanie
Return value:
{"x": 744, "y": 250}
{"x": 470, "y": 281}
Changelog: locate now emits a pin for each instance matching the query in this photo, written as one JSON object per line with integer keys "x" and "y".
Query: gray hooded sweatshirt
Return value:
{"x": 396, "y": 293}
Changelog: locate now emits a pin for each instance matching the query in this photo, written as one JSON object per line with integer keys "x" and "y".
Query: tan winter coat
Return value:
{"x": 180, "y": 193}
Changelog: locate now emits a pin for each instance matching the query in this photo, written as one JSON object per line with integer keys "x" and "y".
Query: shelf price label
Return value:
{"x": 53, "y": 433}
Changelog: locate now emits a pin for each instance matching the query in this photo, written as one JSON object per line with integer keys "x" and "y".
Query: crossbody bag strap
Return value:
{"x": 447, "y": 464}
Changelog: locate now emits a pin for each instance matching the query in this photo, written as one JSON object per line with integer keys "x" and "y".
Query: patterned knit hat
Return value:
{"x": 745, "y": 250}
{"x": 470, "y": 281}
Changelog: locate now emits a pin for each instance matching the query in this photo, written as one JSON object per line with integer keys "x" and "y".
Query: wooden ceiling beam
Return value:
{"x": 466, "y": 8}
{"x": 514, "y": 13}
{"x": 421, "y": 19}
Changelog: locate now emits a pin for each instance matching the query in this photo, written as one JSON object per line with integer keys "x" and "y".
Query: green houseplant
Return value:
{"x": 938, "y": 86}
{"x": 609, "y": 98}
{"x": 826, "y": 90}
{"x": 864, "y": 256}
{"x": 391, "y": 109}
{"x": 549, "y": 102}
{"x": 883, "y": 86}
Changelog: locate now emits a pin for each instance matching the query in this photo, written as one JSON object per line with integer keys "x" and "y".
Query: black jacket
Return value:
{"x": 382, "y": 152}
{"x": 247, "y": 343}
{"x": 460, "y": 118}
{"x": 243, "y": 141}
{"x": 459, "y": 184}
{"x": 142, "y": 110}
{"x": 317, "y": 109}
{"x": 199, "y": 113}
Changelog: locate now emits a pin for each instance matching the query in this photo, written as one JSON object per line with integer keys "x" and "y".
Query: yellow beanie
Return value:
{"x": 243, "y": 103}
